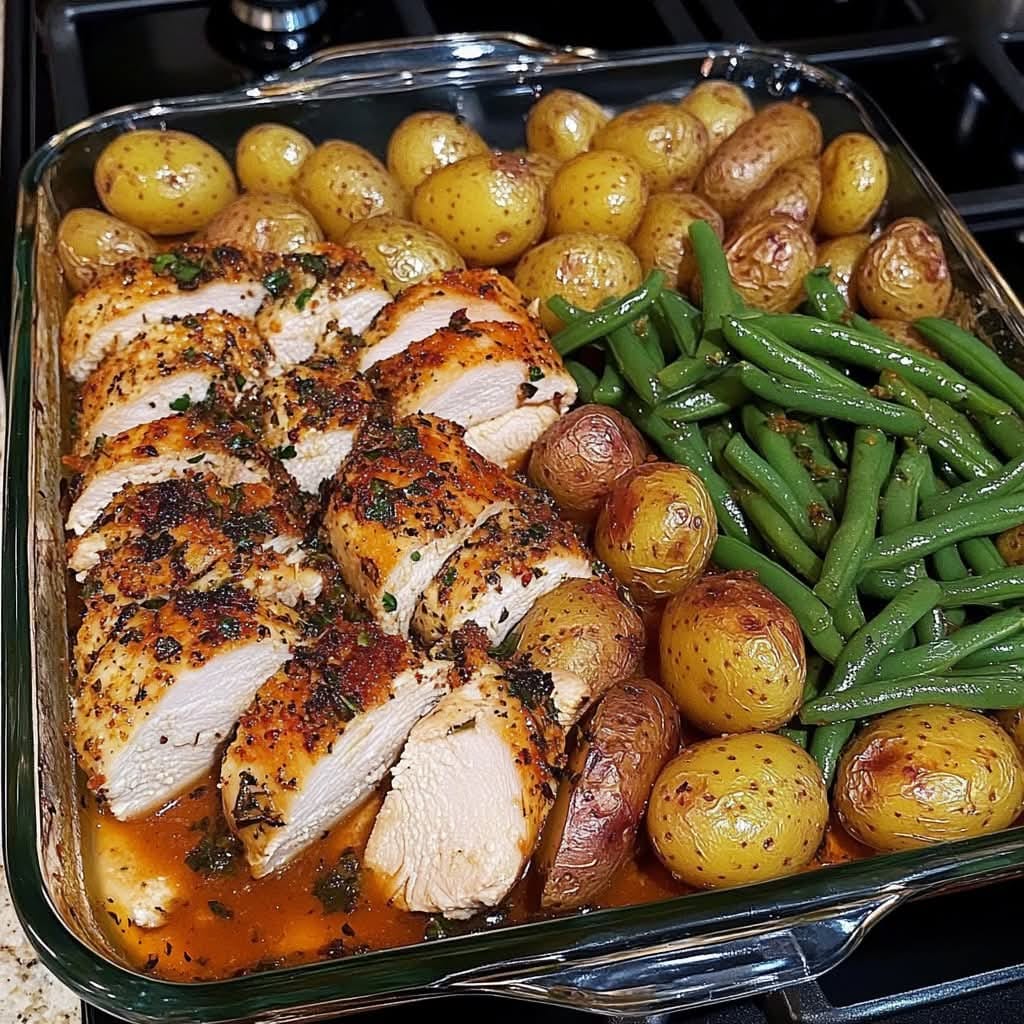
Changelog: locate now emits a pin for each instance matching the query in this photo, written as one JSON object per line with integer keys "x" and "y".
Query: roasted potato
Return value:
{"x": 601, "y": 192}
{"x": 841, "y": 256}
{"x": 662, "y": 239}
{"x": 903, "y": 275}
{"x": 738, "y": 809}
{"x": 544, "y": 167}
{"x": 580, "y": 456}
{"x": 401, "y": 251}
{"x": 562, "y": 124}
{"x": 620, "y": 749}
{"x": 928, "y": 775}
{"x": 1011, "y": 545}
{"x": 489, "y": 207}
{"x": 90, "y": 242}
{"x": 582, "y": 628}
{"x": 668, "y": 143}
{"x": 583, "y": 269}
{"x": 267, "y": 223}
{"x": 854, "y": 180}
{"x": 268, "y": 158}
{"x": 768, "y": 263}
{"x": 905, "y": 334}
{"x": 1012, "y": 720}
{"x": 732, "y": 655}
{"x": 427, "y": 141}
{"x": 720, "y": 106}
{"x": 164, "y": 182}
{"x": 793, "y": 191}
{"x": 776, "y": 135}
{"x": 656, "y": 529}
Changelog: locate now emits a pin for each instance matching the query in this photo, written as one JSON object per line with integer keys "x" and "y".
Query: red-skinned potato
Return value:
{"x": 768, "y": 263}
{"x": 620, "y": 749}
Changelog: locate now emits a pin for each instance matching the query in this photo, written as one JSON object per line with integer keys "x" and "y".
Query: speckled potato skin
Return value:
{"x": 662, "y": 238}
{"x": 768, "y": 263}
{"x": 268, "y": 158}
{"x": 601, "y": 192}
{"x": 489, "y": 208}
{"x": 341, "y": 184}
{"x": 656, "y": 530}
{"x": 732, "y": 655}
{"x": 854, "y": 181}
{"x": 1011, "y": 545}
{"x": 668, "y": 143}
{"x": 720, "y": 106}
{"x": 903, "y": 275}
{"x": 427, "y": 141}
{"x": 928, "y": 775}
{"x": 584, "y": 269}
{"x": 89, "y": 243}
{"x": 582, "y": 627}
{"x": 543, "y": 165}
{"x": 264, "y": 222}
{"x": 164, "y": 182}
{"x": 1012, "y": 720}
{"x": 905, "y": 334}
{"x": 562, "y": 124}
{"x": 841, "y": 255}
{"x": 793, "y": 191}
{"x": 738, "y": 809}
{"x": 776, "y": 135}
{"x": 579, "y": 458}
{"x": 401, "y": 251}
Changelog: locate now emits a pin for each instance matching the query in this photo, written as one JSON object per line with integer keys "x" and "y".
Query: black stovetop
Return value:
{"x": 950, "y": 73}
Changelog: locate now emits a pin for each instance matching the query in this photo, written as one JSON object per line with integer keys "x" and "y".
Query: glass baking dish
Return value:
{"x": 691, "y": 951}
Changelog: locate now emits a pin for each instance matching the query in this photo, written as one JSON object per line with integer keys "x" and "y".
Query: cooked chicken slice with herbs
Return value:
{"x": 143, "y": 291}
{"x": 320, "y": 735}
{"x": 469, "y": 795}
{"x": 167, "y": 690}
{"x": 467, "y": 295}
{"x": 408, "y": 496}
{"x": 327, "y": 288}
{"x": 506, "y": 440}
{"x": 312, "y": 414}
{"x": 169, "y": 367}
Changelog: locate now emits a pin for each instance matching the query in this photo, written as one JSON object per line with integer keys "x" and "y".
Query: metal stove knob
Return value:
{"x": 278, "y": 16}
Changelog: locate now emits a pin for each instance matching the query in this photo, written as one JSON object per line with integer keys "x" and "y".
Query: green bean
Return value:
{"x": 884, "y": 584}
{"x": 999, "y": 653}
{"x": 1005, "y": 432}
{"x": 947, "y": 563}
{"x": 956, "y": 424}
{"x": 840, "y": 445}
{"x": 565, "y": 310}
{"x": 718, "y": 297}
{"x": 779, "y": 534}
{"x": 992, "y": 588}
{"x": 712, "y": 399}
{"x": 635, "y": 363}
{"x": 981, "y": 555}
{"x": 681, "y": 320}
{"x": 1006, "y": 668}
{"x": 801, "y": 737}
{"x": 586, "y": 379}
{"x": 1009, "y": 479}
{"x": 812, "y": 681}
{"x": 824, "y": 297}
{"x": 685, "y": 371}
{"x": 811, "y": 449}
{"x": 650, "y": 341}
{"x": 873, "y": 352}
{"x": 810, "y": 613}
{"x": 899, "y": 509}
{"x": 848, "y": 613}
{"x": 611, "y": 388}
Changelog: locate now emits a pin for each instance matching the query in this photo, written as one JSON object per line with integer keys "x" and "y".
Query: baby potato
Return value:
{"x": 489, "y": 207}
{"x": 776, "y": 135}
{"x": 90, "y": 242}
{"x": 854, "y": 181}
{"x": 656, "y": 529}
{"x": 267, "y": 223}
{"x": 601, "y": 191}
{"x": 583, "y": 269}
{"x": 668, "y": 143}
{"x": 732, "y": 655}
{"x": 401, "y": 251}
{"x": 841, "y": 255}
{"x": 793, "y": 191}
{"x": 928, "y": 775}
{"x": 905, "y": 334}
{"x": 738, "y": 809}
{"x": 427, "y": 141}
{"x": 1012, "y": 720}
{"x": 720, "y": 106}
{"x": 562, "y": 124}
{"x": 903, "y": 275}
{"x": 268, "y": 158}
{"x": 544, "y": 167}
{"x": 1011, "y": 545}
{"x": 662, "y": 239}
{"x": 580, "y": 456}
{"x": 165, "y": 182}
{"x": 768, "y": 263}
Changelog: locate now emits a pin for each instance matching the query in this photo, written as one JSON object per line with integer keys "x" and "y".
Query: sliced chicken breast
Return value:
{"x": 320, "y": 735}
{"x": 506, "y": 440}
{"x": 408, "y": 496}
{"x": 169, "y": 367}
{"x": 468, "y": 798}
{"x": 328, "y": 288}
{"x": 466, "y": 295}
{"x": 131, "y": 890}
{"x": 167, "y": 690}
{"x": 493, "y": 579}
{"x": 143, "y": 291}
{"x": 312, "y": 414}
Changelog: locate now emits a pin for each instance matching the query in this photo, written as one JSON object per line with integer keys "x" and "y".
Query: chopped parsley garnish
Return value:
{"x": 302, "y": 298}
{"x": 406, "y": 438}
{"x": 190, "y": 355}
{"x": 277, "y": 282}
{"x": 415, "y": 556}
{"x": 285, "y": 452}
{"x": 435, "y": 930}
{"x": 229, "y": 628}
{"x": 316, "y": 265}
{"x": 166, "y": 648}
{"x": 196, "y": 459}
{"x": 216, "y": 853}
{"x": 239, "y": 381}
{"x": 449, "y": 577}
{"x": 218, "y": 909}
{"x": 535, "y": 373}
{"x": 254, "y": 805}
{"x": 532, "y": 686}
{"x": 338, "y": 889}
{"x": 363, "y": 638}
{"x": 506, "y": 648}
{"x": 236, "y": 442}
{"x": 153, "y": 603}
{"x": 184, "y": 271}
{"x": 388, "y": 602}
{"x": 181, "y": 404}
{"x": 381, "y": 506}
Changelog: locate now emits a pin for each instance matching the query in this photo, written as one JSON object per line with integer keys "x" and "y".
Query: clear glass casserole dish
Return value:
{"x": 691, "y": 951}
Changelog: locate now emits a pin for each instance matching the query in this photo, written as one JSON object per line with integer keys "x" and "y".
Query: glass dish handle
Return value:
{"x": 690, "y": 971}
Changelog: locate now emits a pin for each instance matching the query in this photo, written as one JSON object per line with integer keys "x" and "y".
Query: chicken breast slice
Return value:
{"x": 168, "y": 689}
{"x": 468, "y": 798}
{"x": 320, "y": 735}
{"x": 327, "y": 288}
{"x": 516, "y": 557}
{"x": 506, "y": 440}
{"x": 133, "y": 891}
{"x": 408, "y": 496}
{"x": 467, "y": 295}
{"x": 169, "y": 367}
{"x": 143, "y": 291}
{"x": 312, "y": 414}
